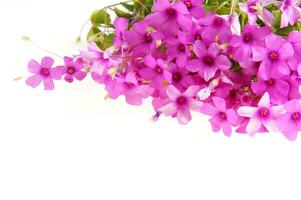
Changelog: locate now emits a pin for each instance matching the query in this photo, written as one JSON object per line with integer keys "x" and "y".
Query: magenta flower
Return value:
{"x": 209, "y": 60}
{"x": 222, "y": 118}
{"x": 278, "y": 89}
{"x": 169, "y": 17}
{"x": 216, "y": 29}
{"x": 290, "y": 123}
{"x": 256, "y": 9}
{"x": 120, "y": 24}
{"x": 291, "y": 12}
{"x": 140, "y": 39}
{"x": 156, "y": 71}
{"x": 129, "y": 87}
{"x": 262, "y": 116}
{"x": 180, "y": 104}
{"x": 178, "y": 48}
{"x": 274, "y": 57}
{"x": 44, "y": 72}
{"x": 73, "y": 69}
{"x": 194, "y": 7}
{"x": 251, "y": 37}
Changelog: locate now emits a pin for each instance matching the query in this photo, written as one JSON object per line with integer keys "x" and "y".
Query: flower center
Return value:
{"x": 70, "y": 70}
{"x": 198, "y": 37}
{"x": 159, "y": 70}
{"x": 247, "y": 37}
{"x": 129, "y": 85}
{"x": 148, "y": 37}
{"x": 252, "y": 8}
{"x": 181, "y": 100}
{"x": 222, "y": 115}
{"x": 218, "y": 21}
{"x": 182, "y": 47}
{"x": 270, "y": 82}
{"x": 171, "y": 11}
{"x": 45, "y": 72}
{"x": 273, "y": 56}
{"x": 177, "y": 77}
{"x": 263, "y": 112}
{"x": 208, "y": 60}
{"x": 188, "y": 4}
{"x": 296, "y": 116}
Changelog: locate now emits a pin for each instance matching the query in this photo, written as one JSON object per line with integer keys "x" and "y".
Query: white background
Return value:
{"x": 71, "y": 144}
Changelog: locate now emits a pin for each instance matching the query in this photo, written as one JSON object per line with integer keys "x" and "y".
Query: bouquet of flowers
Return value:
{"x": 237, "y": 61}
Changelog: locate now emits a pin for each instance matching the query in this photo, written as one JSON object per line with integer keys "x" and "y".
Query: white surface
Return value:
{"x": 71, "y": 144}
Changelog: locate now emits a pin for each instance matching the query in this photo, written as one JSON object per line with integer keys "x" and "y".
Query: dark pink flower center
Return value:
{"x": 273, "y": 56}
{"x": 148, "y": 37}
{"x": 296, "y": 116}
{"x": 45, "y": 72}
{"x": 252, "y": 8}
{"x": 177, "y": 77}
{"x": 270, "y": 82}
{"x": 171, "y": 12}
{"x": 181, "y": 100}
{"x": 222, "y": 115}
{"x": 129, "y": 86}
{"x": 198, "y": 37}
{"x": 182, "y": 47}
{"x": 71, "y": 70}
{"x": 246, "y": 99}
{"x": 208, "y": 60}
{"x": 247, "y": 37}
{"x": 188, "y": 4}
{"x": 263, "y": 112}
{"x": 218, "y": 21}
{"x": 159, "y": 70}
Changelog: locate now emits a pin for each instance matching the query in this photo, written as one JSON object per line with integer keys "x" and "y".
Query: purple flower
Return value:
{"x": 44, "y": 72}
{"x": 169, "y": 17}
{"x": 180, "y": 104}
{"x": 141, "y": 39}
{"x": 194, "y": 7}
{"x": 222, "y": 118}
{"x": 120, "y": 24}
{"x": 129, "y": 87}
{"x": 256, "y": 9}
{"x": 278, "y": 89}
{"x": 274, "y": 57}
{"x": 73, "y": 69}
{"x": 262, "y": 116}
{"x": 156, "y": 71}
{"x": 290, "y": 123}
{"x": 216, "y": 29}
{"x": 209, "y": 60}
{"x": 251, "y": 37}
{"x": 290, "y": 12}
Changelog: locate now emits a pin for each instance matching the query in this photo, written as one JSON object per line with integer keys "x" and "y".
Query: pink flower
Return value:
{"x": 141, "y": 39}
{"x": 256, "y": 9}
{"x": 290, "y": 123}
{"x": 129, "y": 87}
{"x": 290, "y": 12}
{"x": 222, "y": 118}
{"x": 209, "y": 60}
{"x": 180, "y": 104}
{"x": 120, "y": 24}
{"x": 44, "y": 72}
{"x": 278, "y": 89}
{"x": 194, "y": 7}
{"x": 169, "y": 17}
{"x": 262, "y": 116}
{"x": 156, "y": 71}
{"x": 251, "y": 37}
{"x": 73, "y": 69}
{"x": 216, "y": 29}
{"x": 274, "y": 57}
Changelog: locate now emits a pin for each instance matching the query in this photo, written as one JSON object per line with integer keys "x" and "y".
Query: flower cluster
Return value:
{"x": 242, "y": 74}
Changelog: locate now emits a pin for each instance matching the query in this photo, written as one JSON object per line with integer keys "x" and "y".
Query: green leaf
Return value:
{"x": 99, "y": 17}
{"x": 123, "y": 14}
{"x": 127, "y": 6}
